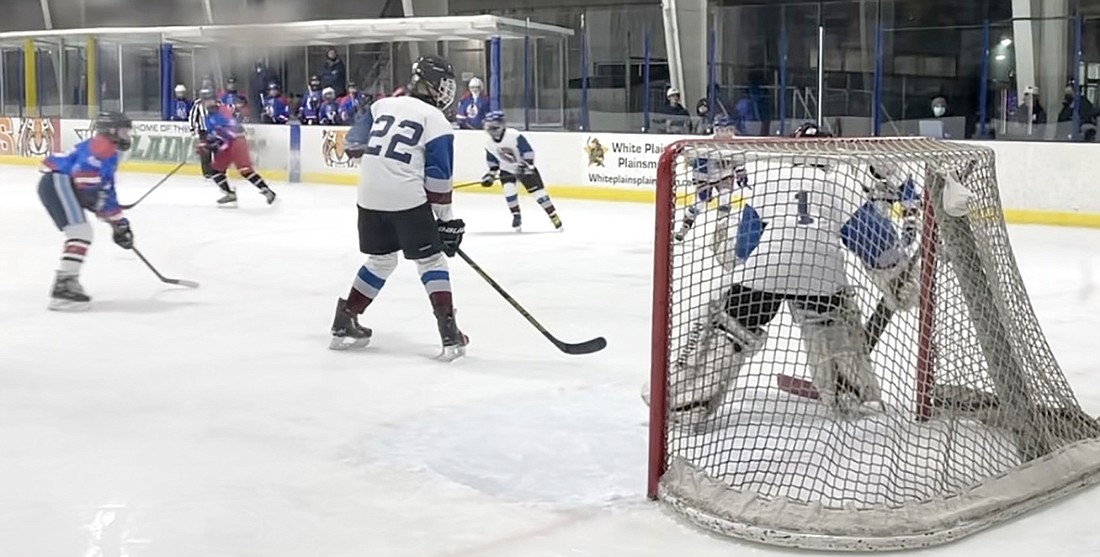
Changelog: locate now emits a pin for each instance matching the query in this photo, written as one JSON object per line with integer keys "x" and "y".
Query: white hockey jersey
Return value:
{"x": 795, "y": 224}
{"x": 408, "y": 155}
{"x": 509, "y": 154}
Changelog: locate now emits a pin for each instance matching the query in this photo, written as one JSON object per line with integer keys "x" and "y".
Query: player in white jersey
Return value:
{"x": 787, "y": 247}
{"x": 710, "y": 176}
{"x": 406, "y": 147}
{"x": 511, "y": 158}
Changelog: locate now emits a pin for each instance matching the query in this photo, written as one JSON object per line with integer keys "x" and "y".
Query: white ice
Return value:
{"x": 168, "y": 422}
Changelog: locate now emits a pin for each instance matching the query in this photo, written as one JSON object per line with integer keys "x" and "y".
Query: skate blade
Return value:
{"x": 229, "y": 205}
{"x": 348, "y": 343}
{"x": 451, "y": 353}
{"x": 69, "y": 305}
{"x": 517, "y": 229}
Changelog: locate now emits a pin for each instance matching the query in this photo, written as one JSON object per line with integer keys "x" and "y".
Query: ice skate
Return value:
{"x": 554, "y": 218}
{"x": 228, "y": 201}
{"x": 454, "y": 340}
{"x": 68, "y": 295}
{"x": 347, "y": 333}
{"x": 268, "y": 194}
{"x": 517, "y": 222}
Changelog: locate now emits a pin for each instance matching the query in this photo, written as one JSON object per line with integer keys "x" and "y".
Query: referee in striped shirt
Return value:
{"x": 197, "y": 119}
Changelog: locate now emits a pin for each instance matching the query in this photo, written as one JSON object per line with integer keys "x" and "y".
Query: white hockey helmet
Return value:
{"x": 181, "y": 90}
{"x": 475, "y": 85}
{"x": 328, "y": 93}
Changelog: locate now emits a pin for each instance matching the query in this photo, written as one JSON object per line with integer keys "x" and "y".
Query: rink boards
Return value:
{"x": 1040, "y": 182}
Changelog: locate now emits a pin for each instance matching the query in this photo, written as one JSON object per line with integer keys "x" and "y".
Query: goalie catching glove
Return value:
{"x": 450, "y": 235}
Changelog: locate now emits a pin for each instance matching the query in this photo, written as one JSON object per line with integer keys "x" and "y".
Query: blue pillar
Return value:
{"x": 983, "y": 91}
{"x": 496, "y": 77}
{"x": 584, "y": 75}
{"x": 784, "y": 53}
{"x": 645, "y": 82}
{"x": 167, "y": 88}
{"x": 876, "y": 94}
{"x": 527, "y": 82}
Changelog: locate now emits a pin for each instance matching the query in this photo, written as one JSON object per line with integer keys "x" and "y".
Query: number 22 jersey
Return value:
{"x": 408, "y": 155}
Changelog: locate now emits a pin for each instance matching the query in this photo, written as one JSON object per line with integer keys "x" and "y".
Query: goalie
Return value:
{"x": 787, "y": 247}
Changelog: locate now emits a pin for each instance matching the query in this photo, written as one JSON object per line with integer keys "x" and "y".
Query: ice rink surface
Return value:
{"x": 215, "y": 422}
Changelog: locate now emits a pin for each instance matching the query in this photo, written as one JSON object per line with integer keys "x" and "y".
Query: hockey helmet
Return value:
{"x": 475, "y": 86}
{"x": 724, "y": 127}
{"x": 181, "y": 91}
{"x": 116, "y": 127}
{"x": 433, "y": 80}
{"x": 495, "y": 124}
{"x": 810, "y": 130}
{"x": 231, "y": 83}
{"x": 329, "y": 93}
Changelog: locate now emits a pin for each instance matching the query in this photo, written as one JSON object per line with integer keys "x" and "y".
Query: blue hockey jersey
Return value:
{"x": 91, "y": 165}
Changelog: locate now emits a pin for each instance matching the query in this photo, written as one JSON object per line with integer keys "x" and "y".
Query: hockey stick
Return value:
{"x": 586, "y": 347}
{"x": 164, "y": 279}
{"x": 466, "y": 185}
{"x": 129, "y": 206}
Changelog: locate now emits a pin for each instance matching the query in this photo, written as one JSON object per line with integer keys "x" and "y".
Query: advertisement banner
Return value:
{"x": 622, "y": 160}
{"x": 30, "y": 138}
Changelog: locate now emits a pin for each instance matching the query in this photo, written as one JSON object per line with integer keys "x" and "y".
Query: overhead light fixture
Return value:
{"x": 1000, "y": 57}
{"x": 1006, "y": 41}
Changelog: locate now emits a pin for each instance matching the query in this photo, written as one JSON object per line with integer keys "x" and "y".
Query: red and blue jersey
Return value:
{"x": 91, "y": 167}
{"x": 222, "y": 127}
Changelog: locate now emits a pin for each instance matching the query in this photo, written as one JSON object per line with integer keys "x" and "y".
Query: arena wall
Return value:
{"x": 1041, "y": 183}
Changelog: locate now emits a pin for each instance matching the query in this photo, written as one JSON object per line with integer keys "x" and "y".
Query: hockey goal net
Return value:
{"x": 975, "y": 423}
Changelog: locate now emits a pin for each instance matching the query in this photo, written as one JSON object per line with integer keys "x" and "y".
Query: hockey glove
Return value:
{"x": 450, "y": 234}
{"x": 488, "y": 179}
{"x": 354, "y": 151}
{"x": 123, "y": 236}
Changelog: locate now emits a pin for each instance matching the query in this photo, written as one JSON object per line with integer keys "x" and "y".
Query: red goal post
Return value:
{"x": 977, "y": 422}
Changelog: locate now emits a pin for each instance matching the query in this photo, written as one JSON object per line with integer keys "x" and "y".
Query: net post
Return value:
{"x": 925, "y": 349}
{"x": 662, "y": 285}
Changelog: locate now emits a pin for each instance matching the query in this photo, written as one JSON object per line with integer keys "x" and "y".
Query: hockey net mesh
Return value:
{"x": 976, "y": 424}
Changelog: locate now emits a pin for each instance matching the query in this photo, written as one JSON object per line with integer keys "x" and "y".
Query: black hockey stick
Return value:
{"x": 164, "y": 279}
{"x": 129, "y": 206}
{"x": 586, "y": 347}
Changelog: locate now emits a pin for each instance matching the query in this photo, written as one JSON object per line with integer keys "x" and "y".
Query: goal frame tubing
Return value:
{"x": 660, "y": 331}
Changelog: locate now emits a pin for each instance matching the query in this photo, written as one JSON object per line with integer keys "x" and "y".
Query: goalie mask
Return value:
{"x": 433, "y": 81}
{"x": 495, "y": 125}
{"x": 724, "y": 128}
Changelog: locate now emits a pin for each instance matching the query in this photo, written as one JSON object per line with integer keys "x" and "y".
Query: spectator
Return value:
{"x": 181, "y": 106}
{"x": 328, "y": 113}
{"x": 335, "y": 75}
{"x": 229, "y": 95}
{"x": 309, "y": 111}
{"x": 674, "y": 106}
{"x": 276, "y": 110}
{"x": 1031, "y": 111}
{"x": 473, "y": 107}
{"x": 1086, "y": 114}
{"x": 703, "y": 121}
{"x": 939, "y": 107}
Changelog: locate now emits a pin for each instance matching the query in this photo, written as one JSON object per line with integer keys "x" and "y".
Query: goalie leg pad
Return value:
{"x": 709, "y": 362}
{"x": 832, "y": 333}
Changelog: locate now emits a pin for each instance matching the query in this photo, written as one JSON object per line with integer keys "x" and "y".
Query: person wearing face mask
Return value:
{"x": 703, "y": 118}
{"x": 1086, "y": 113}
{"x": 939, "y": 107}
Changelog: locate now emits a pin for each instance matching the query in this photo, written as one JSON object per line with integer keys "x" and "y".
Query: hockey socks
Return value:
{"x": 73, "y": 256}
{"x": 258, "y": 181}
{"x": 548, "y": 206}
{"x": 369, "y": 281}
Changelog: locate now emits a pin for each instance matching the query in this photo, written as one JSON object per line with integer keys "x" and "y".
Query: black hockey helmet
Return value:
{"x": 810, "y": 130}
{"x": 433, "y": 80}
{"x": 231, "y": 83}
{"x": 314, "y": 83}
{"x": 115, "y": 126}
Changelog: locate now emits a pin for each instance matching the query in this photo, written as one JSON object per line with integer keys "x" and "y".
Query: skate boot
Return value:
{"x": 346, "y": 330}
{"x": 68, "y": 295}
{"x": 228, "y": 201}
{"x": 268, "y": 194}
{"x": 554, "y": 218}
{"x": 517, "y": 222}
{"x": 454, "y": 341}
